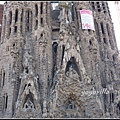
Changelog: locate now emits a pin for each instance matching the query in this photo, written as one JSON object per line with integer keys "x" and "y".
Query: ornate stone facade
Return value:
{"x": 52, "y": 68}
{"x": 1, "y": 14}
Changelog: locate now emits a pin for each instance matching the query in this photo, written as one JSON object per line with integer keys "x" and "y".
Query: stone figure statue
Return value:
{"x": 27, "y": 64}
{"x": 65, "y": 13}
{"x": 72, "y": 73}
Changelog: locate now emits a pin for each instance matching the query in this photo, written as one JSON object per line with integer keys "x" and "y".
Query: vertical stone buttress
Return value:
{"x": 39, "y": 29}
{"x": 86, "y": 60}
{"x": 76, "y": 59}
{"x": 43, "y": 51}
{"x": 1, "y": 16}
{"x": 11, "y": 59}
{"x": 89, "y": 49}
{"x": 107, "y": 49}
{"x": 20, "y": 22}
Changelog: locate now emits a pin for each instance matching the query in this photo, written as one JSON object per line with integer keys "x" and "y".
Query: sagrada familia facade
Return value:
{"x": 51, "y": 66}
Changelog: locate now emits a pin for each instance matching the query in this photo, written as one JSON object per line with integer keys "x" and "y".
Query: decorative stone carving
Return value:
{"x": 65, "y": 13}
{"x": 37, "y": 80}
{"x": 28, "y": 63}
{"x": 72, "y": 74}
{"x": 28, "y": 105}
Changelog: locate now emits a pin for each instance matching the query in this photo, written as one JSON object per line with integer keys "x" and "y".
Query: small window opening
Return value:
{"x": 3, "y": 78}
{"x": 41, "y": 7}
{"x": 112, "y": 97}
{"x": 10, "y": 17}
{"x": 104, "y": 39}
{"x": 104, "y": 11}
{"x": 76, "y": 13}
{"x": 26, "y": 106}
{"x": 63, "y": 51}
{"x": 36, "y": 8}
{"x": 15, "y": 29}
{"x": 26, "y": 70}
{"x": 89, "y": 31}
{"x": 13, "y": 44}
{"x": 99, "y": 10}
{"x": 70, "y": 105}
{"x": 97, "y": 2}
{"x": 41, "y": 21}
{"x": 16, "y": 16}
{"x": 36, "y": 26}
{"x": 28, "y": 21}
{"x": 103, "y": 8}
{"x": 113, "y": 58}
{"x": 9, "y": 32}
{"x": 102, "y": 28}
{"x": 103, "y": 4}
{"x": 90, "y": 42}
{"x": 93, "y": 7}
{"x": 98, "y": 6}
{"x": 29, "y": 84}
{"x": 6, "y": 102}
{"x": 41, "y": 34}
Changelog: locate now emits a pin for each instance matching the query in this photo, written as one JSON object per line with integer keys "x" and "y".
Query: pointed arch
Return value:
{"x": 29, "y": 100}
{"x": 72, "y": 63}
{"x": 70, "y": 102}
{"x": 72, "y": 107}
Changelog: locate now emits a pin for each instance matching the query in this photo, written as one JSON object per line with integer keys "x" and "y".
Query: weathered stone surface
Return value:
{"x": 52, "y": 68}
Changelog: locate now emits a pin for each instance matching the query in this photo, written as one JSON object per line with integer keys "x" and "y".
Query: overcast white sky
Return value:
{"x": 114, "y": 19}
{"x": 116, "y": 22}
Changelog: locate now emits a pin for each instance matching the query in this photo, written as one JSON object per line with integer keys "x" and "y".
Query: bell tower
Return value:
{"x": 26, "y": 37}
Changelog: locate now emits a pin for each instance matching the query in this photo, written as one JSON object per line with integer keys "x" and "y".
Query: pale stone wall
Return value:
{"x": 49, "y": 62}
